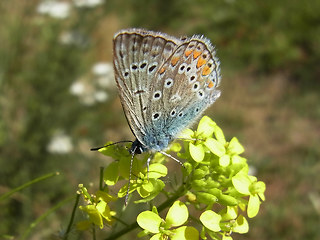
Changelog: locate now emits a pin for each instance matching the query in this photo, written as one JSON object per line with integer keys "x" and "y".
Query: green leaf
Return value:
{"x": 206, "y": 127}
{"x": 215, "y": 147}
{"x": 149, "y": 221}
{"x": 111, "y": 174}
{"x": 185, "y": 233}
{"x": 235, "y": 147}
{"x": 241, "y": 225}
{"x": 177, "y": 214}
{"x": 241, "y": 182}
{"x": 253, "y": 206}
{"x": 224, "y": 160}
{"x": 211, "y": 220}
{"x": 196, "y": 152}
{"x": 157, "y": 170}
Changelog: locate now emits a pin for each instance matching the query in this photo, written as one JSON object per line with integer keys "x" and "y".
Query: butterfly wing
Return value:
{"x": 138, "y": 54}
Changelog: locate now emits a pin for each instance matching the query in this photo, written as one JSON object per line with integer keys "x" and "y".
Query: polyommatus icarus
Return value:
{"x": 164, "y": 84}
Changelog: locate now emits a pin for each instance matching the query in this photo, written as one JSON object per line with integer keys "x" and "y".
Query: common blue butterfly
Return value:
{"x": 164, "y": 83}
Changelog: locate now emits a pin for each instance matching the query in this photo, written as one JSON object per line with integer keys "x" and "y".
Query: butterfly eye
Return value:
{"x": 156, "y": 116}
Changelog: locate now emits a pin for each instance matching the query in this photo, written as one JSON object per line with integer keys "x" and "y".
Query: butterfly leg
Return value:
{"x": 131, "y": 162}
{"x": 168, "y": 155}
{"x": 148, "y": 163}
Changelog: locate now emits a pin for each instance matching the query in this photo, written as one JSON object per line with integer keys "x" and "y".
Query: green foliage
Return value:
{"x": 215, "y": 183}
{"x": 265, "y": 36}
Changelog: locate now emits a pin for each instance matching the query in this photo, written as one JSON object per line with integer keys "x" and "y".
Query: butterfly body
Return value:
{"x": 164, "y": 83}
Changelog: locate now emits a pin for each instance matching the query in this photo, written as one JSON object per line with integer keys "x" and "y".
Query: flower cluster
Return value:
{"x": 215, "y": 182}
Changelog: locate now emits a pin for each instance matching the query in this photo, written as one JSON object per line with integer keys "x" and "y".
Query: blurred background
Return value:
{"x": 58, "y": 99}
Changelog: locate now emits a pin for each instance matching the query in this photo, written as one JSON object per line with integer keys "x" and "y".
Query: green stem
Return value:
{"x": 43, "y": 216}
{"x": 101, "y": 179}
{"x": 72, "y": 217}
{"x": 8, "y": 194}
{"x": 93, "y": 232}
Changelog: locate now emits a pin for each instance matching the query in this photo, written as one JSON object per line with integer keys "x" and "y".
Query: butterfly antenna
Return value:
{"x": 97, "y": 148}
{"x": 131, "y": 161}
{"x": 168, "y": 155}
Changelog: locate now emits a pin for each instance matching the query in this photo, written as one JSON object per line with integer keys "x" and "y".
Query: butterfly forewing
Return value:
{"x": 138, "y": 54}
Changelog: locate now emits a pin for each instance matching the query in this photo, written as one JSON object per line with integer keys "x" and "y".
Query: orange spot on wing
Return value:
{"x": 174, "y": 60}
{"x": 211, "y": 84}
{"x": 201, "y": 62}
{"x": 196, "y": 54}
{"x": 188, "y": 52}
{"x": 162, "y": 70}
{"x": 206, "y": 71}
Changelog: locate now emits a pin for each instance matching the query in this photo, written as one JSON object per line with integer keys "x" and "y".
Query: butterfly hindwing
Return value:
{"x": 187, "y": 82}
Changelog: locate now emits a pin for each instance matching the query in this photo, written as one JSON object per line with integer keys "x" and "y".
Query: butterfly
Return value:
{"x": 164, "y": 84}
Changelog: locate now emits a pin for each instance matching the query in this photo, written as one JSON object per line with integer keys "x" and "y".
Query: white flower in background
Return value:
{"x": 101, "y": 96}
{"x": 77, "y": 88}
{"x": 55, "y": 9}
{"x": 60, "y": 143}
{"x": 87, "y": 3}
{"x": 104, "y": 73}
{"x": 67, "y": 38}
{"x": 102, "y": 68}
{"x": 88, "y": 99}
{"x": 252, "y": 171}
